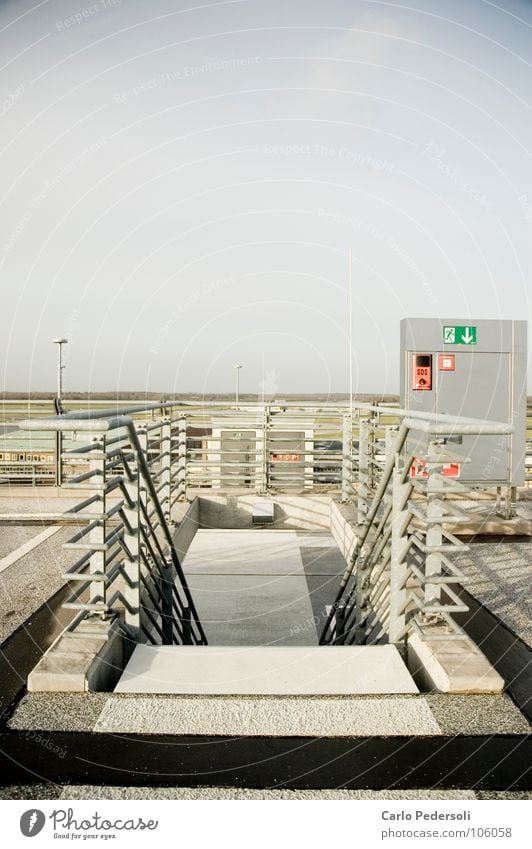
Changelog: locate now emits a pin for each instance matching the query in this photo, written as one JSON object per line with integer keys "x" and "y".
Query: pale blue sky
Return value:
{"x": 180, "y": 186}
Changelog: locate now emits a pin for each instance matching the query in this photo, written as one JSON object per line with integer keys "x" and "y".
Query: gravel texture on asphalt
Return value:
{"x": 44, "y": 500}
{"x": 29, "y": 582}
{"x": 58, "y": 711}
{"x": 477, "y": 714}
{"x": 12, "y": 537}
{"x": 500, "y": 576}
{"x": 86, "y": 791}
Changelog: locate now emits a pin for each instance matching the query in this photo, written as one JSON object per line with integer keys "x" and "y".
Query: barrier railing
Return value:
{"x": 276, "y": 446}
{"x": 400, "y": 575}
{"x": 129, "y": 565}
{"x": 139, "y": 461}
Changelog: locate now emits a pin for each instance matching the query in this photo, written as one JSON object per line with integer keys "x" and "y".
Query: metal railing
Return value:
{"x": 265, "y": 448}
{"x": 39, "y": 457}
{"x": 279, "y": 446}
{"x": 137, "y": 462}
{"x": 401, "y": 573}
{"x": 129, "y": 565}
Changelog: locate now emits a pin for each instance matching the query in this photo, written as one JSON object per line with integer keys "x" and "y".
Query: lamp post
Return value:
{"x": 237, "y": 388}
{"x": 59, "y": 409}
{"x": 60, "y": 367}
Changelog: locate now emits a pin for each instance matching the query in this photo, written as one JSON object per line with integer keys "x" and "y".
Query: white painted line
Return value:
{"x": 27, "y": 547}
{"x": 33, "y": 516}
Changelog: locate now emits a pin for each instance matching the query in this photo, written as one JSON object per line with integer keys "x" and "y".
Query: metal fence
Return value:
{"x": 401, "y": 572}
{"x": 137, "y": 462}
{"x": 129, "y": 565}
{"x": 263, "y": 447}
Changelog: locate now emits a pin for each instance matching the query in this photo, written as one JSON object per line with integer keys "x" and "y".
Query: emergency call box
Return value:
{"x": 421, "y": 371}
{"x": 475, "y": 368}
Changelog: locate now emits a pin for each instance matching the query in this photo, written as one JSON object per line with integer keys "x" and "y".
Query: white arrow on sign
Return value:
{"x": 467, "y": 337}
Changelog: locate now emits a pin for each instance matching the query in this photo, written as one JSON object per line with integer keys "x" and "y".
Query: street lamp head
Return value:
{"x": 238, "y": 366}
{"x": 60, "y": 341}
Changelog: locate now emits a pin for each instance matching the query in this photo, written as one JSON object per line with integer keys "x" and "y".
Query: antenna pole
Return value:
{"x": 350, "y": 283}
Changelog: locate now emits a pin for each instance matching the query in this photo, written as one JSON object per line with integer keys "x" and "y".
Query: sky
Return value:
{"x": 182, "y": 184}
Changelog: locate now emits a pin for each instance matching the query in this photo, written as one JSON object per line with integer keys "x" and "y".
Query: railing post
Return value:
{"x": 434, "y": 537}
{"x": 163, "y": 576}
{"x": 399, "y": 546}
{"x": 339, "y": 617}
{"x": 166, "y": 468}
{"x": 187, "y": 625}
{"x": 363, "y": 469}
{"x": 347, "y": 458}
{"x": 97, "y": 462}
{"x": 361, "y": 598}
{"x": 390, "y": 434}
{"x": 265, "y": 454}
{"x": 131, "y": 565}
{"x": 373, "y": 426}
{"x": 181, "y": 470}
{"x": 58, "y": 458}
{"x": 144, "y": 557}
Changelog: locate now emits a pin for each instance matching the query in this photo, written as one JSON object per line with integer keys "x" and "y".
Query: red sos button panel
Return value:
{"x": 421, "y": 371}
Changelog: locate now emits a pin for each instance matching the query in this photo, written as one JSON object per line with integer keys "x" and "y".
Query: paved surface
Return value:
{"x": 477, "y": 714}
{"x": 85, "y": 791}
{"x": 262, "y": 587}
{"x": 46, "y": 500}
{"x": 28, "y": 583}
{"x": 12, "y": 537}
{"x": 27, "y": 546}
{"x": 83, "y": 712}
{"x": 233, "y": 553}
{"x": 500, "y": 577}
{"x": 276, "y": 717}
{"x": 58, "y": 711}
{"x": 263, "y": 670}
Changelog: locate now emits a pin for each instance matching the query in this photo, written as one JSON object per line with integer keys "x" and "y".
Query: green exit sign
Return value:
{"x": 459, "y": 334}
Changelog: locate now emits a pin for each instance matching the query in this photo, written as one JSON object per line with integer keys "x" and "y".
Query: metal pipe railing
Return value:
{"x": 94, "y": 423}
{"x": 374, "y": 585}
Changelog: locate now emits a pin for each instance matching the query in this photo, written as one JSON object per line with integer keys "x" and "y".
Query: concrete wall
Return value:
{"x": 187, "y": 519}
{"x": 290, "y": 511}
{"x": 344, "y": 527}
{"x": 90, "y": 658}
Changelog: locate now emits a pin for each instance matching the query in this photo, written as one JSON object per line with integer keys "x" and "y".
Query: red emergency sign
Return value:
{"x": 446, "y": 362}
{"x": 421, "y": 371}
{"x": 419, "y": 469}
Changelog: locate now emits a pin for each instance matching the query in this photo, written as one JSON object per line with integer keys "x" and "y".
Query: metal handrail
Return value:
{"x": 97, "y": 422}
{"x": 343, "y": 611}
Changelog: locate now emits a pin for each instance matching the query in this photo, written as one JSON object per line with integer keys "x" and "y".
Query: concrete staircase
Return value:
{"x": 266, "y": 670}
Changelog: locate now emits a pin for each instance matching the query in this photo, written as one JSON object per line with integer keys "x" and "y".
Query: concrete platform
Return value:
{"x": 244, "y": 553}
{"x": 451, "y": 666}
{"x": 249, "y": 610}
{"x": 231, "y": 670}
{"x": 262, "y": 587}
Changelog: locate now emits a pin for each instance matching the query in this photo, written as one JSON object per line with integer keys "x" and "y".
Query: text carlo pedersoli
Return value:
{"x": 426, "y": 815}
{"x": 64, "y": 819}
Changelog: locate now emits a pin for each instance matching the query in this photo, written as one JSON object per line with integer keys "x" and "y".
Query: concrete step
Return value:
{"x": 265, "y": 670}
